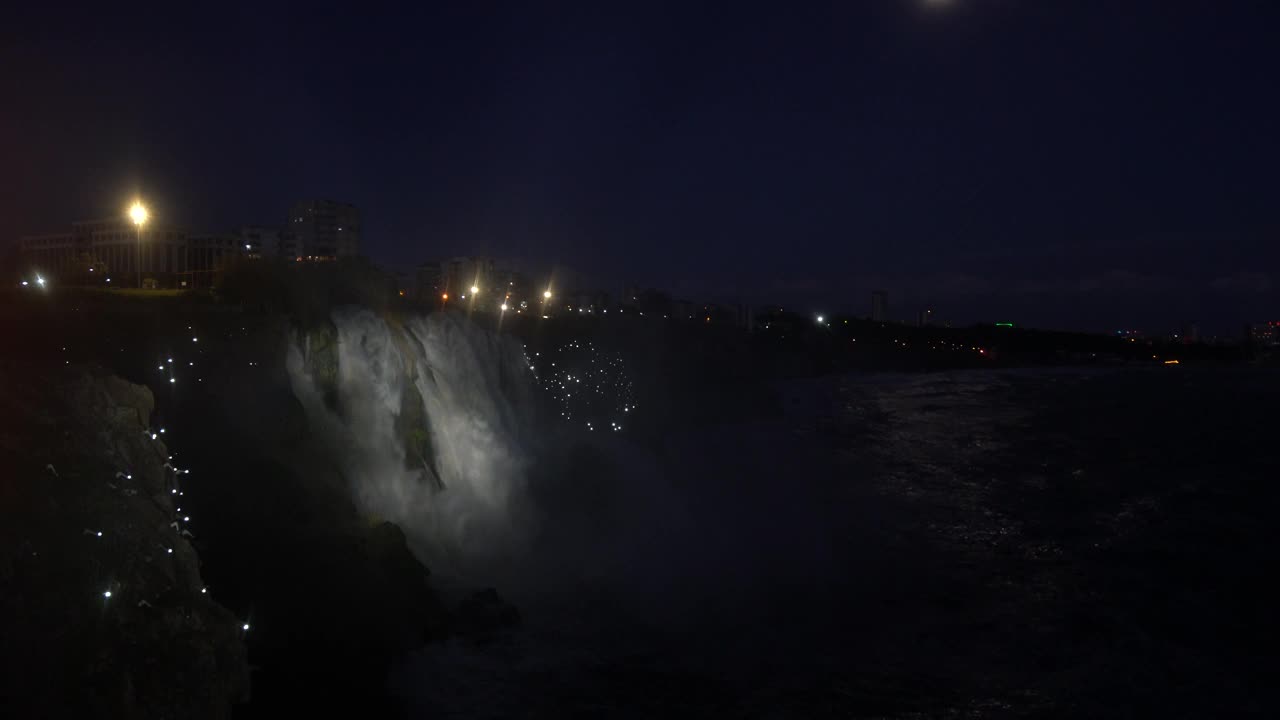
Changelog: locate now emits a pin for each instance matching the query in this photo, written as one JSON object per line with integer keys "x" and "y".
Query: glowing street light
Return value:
{"x": 474, "y": 289}
{"x": 546, "y": 295}
{"x": 138, "y": 214}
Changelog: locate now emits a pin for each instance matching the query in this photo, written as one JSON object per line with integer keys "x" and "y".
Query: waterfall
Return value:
{"x": 429, "y": 421}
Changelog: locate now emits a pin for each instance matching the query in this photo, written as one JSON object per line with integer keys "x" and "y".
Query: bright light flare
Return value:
{"x": 474, "y": 289}
{"x": 138, "y": 213}
{"x": 547, "y": 294}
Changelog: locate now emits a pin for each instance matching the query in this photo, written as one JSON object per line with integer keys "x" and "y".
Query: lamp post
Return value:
{"x": 138, "y": 213}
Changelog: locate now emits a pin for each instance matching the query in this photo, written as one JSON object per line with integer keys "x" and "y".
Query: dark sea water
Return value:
{"x": 1047, "y": 543}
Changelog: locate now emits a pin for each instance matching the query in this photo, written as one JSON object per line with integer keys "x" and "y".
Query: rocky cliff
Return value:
{"x": 100, "y": 588}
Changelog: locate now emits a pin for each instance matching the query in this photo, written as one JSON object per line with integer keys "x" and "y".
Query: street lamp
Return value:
{"x": 138, "y": 213}
{"x": 475, "y": 290}
{"x": 547, "y": 294}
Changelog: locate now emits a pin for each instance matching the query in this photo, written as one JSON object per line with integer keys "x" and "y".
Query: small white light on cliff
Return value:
{"x": 175, "y": 490}
{"x": 193, "y": 340}
{"x": 173, "y": 380}
{"x": 161, "y": 367}
{"x": 204, "y": 590}
{"x": 170, "y": 359}
{"x": 186, "y": 518}
{"x": 106, "y": 594}
{"x": 242, "y": 627}
{"x": 170, "y": 551}
{"x": 161, "y": 430}
{"x": 99, "y": 533}
{"x": 154, "y": 436}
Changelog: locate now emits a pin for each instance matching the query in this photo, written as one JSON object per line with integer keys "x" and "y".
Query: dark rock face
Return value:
{"x": 103, "y": 603}
{"x": 483, "y": 613}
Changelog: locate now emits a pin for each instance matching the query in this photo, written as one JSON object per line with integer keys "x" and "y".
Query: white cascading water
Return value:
{"x": 464, "y": 505}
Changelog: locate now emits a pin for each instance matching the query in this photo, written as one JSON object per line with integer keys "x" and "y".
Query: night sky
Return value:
{"x": 1059, "y": 163}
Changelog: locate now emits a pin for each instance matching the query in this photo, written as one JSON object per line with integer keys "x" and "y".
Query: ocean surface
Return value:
{"x": 1040, "y": 543}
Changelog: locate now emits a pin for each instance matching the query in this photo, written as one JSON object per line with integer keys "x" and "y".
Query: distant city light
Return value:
{"x": 106, "y": 594}
{"x": 547, "y": 294}
{"x": 40, "y": 281}
{"x": 444, "y": 296}
{"x": 820, "y": 319}
{"x": 25, "y": 283}
{"x": 504, "y": 306}
{"x": 245, "y": 626}
{"x": 474, "y": 290}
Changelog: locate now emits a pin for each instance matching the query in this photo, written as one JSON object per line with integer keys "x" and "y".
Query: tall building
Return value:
{"x": 880, "y": 306}
{"x": 325, "y": 230}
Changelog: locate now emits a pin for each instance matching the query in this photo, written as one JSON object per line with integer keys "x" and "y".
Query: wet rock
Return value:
{"x": 483, "y": 613}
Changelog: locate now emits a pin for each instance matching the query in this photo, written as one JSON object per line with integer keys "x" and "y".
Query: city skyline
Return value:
{"x": 1078, "y": 167}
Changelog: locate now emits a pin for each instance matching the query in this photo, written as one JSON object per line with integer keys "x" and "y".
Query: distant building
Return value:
{"x": 925, "y": 318}
{"x": 325, "y": 230}
{"x": 880, "y": 306}
{"x": 101, "y": 248}
{"x": 428, "y": 281}
{"x": 57, "y": 255}
{"x": 207, "y": 256}
{"x": 261, "y": 241}
{"x": 463, "y": 273}
{"x": 1265, "y": 334}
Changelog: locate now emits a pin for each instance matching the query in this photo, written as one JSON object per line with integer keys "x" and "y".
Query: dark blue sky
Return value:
{"x": 1073, "y": 163}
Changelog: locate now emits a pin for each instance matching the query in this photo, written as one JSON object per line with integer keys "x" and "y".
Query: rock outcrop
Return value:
{"x": 100, "y": 589}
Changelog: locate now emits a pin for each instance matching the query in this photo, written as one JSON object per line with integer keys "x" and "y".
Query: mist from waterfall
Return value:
{"x": 462, "y": 501}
